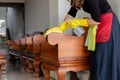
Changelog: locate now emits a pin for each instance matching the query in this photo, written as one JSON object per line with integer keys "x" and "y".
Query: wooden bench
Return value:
{"x": 63, "y": 53}
{"x": 2, "y": 62}
{"x": 36, "y": 55}
{"x": 25, "y": 54}
{"x": 29, "y": 49}
{"x": 14, "y": 50}
{"x": 31, "y": 55}
{"x": 23, "y": 47}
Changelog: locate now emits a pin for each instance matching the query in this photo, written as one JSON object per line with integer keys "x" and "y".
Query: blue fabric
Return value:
{"x": 105, "y": 61}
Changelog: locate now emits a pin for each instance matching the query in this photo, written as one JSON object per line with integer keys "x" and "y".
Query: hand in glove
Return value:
{"x": 63, "y": 26}
{"x": 53, "y": 29}
{"x": 78, "y": 22}
{"x": 59, "y": 29}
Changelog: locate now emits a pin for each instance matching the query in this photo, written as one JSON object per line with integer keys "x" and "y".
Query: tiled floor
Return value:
{"x": 15, "y": 73}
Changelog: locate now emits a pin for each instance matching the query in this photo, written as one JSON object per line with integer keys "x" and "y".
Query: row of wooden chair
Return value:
{"x": 58, "y": 52}
{"x": 27, "y": 51}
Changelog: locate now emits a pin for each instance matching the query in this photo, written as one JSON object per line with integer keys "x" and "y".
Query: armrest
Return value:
{"x": 59, "y": 38}
{"x": 55, "y": 38}
{"x": 68, "y": 46}
{"x": 29, "y": 40}
{"x": 37, "y": 39}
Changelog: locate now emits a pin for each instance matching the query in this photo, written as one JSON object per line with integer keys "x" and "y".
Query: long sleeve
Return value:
{"x": 72, "y": 11}
{"x": 93, "y": 7}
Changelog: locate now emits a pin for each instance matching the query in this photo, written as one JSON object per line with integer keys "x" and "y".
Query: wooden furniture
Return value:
{"x": 35, "y": 57}
{"x": 25, "y": 54}
{"x": 15, "y": 47}
{"x": 10, "y": 43}
{"x": 23, "y": 47}
{"x": 2, "y": 62}
{"x": 31, "y": 55}
{"x": 63, "y": 53}
{"x": 14, "y": 50}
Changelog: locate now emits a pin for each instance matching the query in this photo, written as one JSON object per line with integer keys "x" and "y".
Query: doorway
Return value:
{"x": 11, "y": 22}
{"x": 2, "y": 27}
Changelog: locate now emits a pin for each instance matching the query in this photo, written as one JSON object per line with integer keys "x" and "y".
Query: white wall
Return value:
{"x": 36, "y": 15}
{"x": 115, "y": 4}
{"x": 41, "y": 14}
{"x": 53, "y": 13}
{"x": 63, "y": 8}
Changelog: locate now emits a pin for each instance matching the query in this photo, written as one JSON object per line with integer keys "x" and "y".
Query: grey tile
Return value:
{"x": 15, "y": 73}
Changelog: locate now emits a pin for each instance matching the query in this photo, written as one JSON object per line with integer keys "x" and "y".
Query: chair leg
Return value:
{"x": 30, "y": 66}
{"x": 61, "y": 74}
{"x": 46, "y": 72}
{"x": 36, "y": 64}
{"x": 23, "y": 62}
{"x": 3, "y": 63}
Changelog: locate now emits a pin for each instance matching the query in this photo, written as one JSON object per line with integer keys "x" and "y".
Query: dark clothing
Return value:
{"x": 104, "y": 61}
{"x": 94, "y": 7}
{"x": 72, "y": 11}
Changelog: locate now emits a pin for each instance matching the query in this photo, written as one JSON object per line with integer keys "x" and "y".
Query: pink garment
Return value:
{"x": 104, "y": 28}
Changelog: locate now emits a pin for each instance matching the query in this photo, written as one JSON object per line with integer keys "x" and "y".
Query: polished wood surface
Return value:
{"x": 2, "y": 62}
{"x": 14, "y": 50}
{"x": 63, "y": 53}
{"x": 29, "y": 50}
{"x": 59, "y": 52}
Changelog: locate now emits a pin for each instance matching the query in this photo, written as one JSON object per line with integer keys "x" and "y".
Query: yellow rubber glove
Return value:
{"x": 64, "y": 26}
{"x": 53, "y": 29}
{"x": 59, "y": 29}
{"x": 78, "y": 22}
